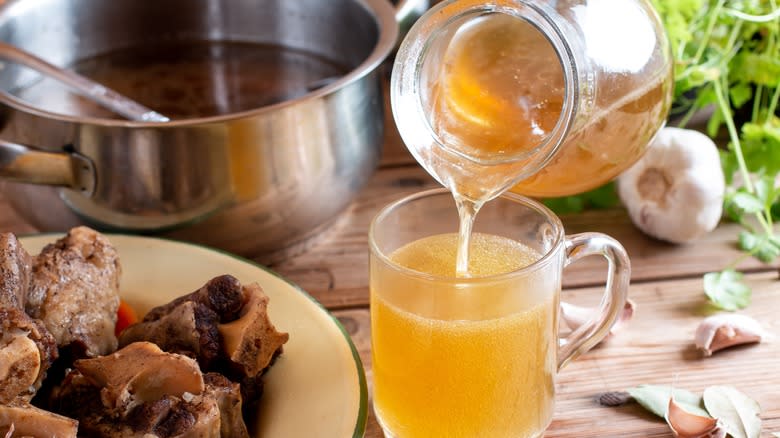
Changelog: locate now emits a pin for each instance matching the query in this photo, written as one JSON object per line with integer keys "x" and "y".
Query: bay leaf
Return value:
{"x": 738, "y": 413}
{"x": 655, "y": 398}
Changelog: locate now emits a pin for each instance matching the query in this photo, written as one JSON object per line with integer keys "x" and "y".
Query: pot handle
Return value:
{"x": 28, "y": 165}
{"x": 406, "y": 13}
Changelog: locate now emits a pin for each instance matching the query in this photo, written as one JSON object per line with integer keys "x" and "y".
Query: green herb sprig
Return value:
{"x": 727, "y": 56}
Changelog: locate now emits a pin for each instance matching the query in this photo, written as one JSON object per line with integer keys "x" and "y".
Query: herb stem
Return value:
{"x": 757, "y": 103}
{"x": 708, "y": 33}
{"x": 727, "y": 117}
{"x": 738, "y": 260}
{"x": 773, "y": 104}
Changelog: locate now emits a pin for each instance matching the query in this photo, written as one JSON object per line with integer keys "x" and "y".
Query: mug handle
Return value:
{"x": 591, "y": 333}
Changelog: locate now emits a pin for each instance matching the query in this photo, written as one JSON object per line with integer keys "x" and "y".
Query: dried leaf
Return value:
{"x": 655, "y": 398}
{"x": 738, "y": 413}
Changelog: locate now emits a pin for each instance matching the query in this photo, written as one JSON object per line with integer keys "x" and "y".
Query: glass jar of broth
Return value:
{"x": 546, "y": 98}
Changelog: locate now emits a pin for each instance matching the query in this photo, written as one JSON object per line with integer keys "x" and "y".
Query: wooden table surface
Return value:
{"x": 655, "y": 348}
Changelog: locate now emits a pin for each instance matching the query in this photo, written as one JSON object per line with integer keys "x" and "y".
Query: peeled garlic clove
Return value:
{"x": 575, "y": 316}
{"x": 687, "y": 425}
{"x": 726, "y": 330}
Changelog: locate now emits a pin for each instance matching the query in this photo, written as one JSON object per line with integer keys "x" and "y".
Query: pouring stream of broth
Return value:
{"x": 498, "y": 95}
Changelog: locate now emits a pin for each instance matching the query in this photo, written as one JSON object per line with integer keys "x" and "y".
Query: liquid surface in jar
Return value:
{"x": 500, "y": 90}
{"x": 613, "y": 138}
{"x": 192, "y": 79}
{"x": 500, "y": 93}
{"x": 441, "y": 369}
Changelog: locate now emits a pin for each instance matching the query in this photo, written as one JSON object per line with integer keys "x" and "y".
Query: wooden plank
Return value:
{"x": 335, "y": 268}
{"x": 335, "y": 271}
{"x": 656, "y": 347}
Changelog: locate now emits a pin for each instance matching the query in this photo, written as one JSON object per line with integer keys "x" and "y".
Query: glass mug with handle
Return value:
{"x": 476, "y": 356}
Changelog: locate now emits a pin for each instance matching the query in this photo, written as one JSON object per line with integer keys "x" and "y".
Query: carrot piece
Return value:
{"x": 126, "y": 317}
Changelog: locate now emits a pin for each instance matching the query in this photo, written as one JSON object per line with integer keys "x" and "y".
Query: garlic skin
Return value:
{"x": 687, "y": 425}
{"x": 575, "y": 316}
{"x": 726, "y": 330}
{"x": 675, "y": 192}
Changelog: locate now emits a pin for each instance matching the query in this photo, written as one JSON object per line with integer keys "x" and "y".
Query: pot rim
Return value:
{"x": 384, "y": 17}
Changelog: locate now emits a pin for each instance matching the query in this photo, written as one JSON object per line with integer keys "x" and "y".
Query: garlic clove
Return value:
{"x": 726, "y": 330}
{"x": 576, "y": 316}
{"x": 687, "y": 425}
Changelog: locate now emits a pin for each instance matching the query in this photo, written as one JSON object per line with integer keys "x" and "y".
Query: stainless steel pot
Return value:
{"x": 254, "y": 182}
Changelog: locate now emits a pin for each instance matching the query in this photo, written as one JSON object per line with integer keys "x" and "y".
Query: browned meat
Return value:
{"x": 75, "y": 292}
{"x": 221, "y": 294}
{"x": 223, "y": 325}
{"x": 15, "y": 267}
{"x": 228, "y": 397}
{"x": 27, "y": 350}
{"x": 139, "y": 390}
{"x": 26, "y": 421}
{"x": 190, "y": 328}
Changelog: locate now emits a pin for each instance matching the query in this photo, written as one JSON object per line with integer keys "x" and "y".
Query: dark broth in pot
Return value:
{"x": 192, "y": 79}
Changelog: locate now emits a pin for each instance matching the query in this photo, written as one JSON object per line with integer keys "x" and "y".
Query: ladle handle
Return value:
{"x": 24, "y": 164}
{"x": 90, "y": 89}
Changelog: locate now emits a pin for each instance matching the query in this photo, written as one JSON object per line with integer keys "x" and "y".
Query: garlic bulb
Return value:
{"x": 675, "y": 192}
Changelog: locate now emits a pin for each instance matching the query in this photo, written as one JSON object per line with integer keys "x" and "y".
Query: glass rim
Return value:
{"x": 542, "y": 262}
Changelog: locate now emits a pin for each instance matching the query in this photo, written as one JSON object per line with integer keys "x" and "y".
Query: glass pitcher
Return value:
{"x": 548, "y": 98}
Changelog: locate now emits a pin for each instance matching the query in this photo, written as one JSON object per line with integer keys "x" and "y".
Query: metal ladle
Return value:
{"x": 86, "y": 87}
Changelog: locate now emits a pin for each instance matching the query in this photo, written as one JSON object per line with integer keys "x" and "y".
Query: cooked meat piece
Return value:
{"x": 221, "y": 294}
{"x": 228, "y": 397}
{"x": 27, "y": 350}
{"x": 240, "y": 345}
{"x": 140, "y": 373}
{"x": 15, "y": 267}
{"x": 190, "y": 328}
{"x": 24, "y": 420}
{"x": 251, "y": 341}
{"x": 75, "y": 292}
{"x": 139, "y": 390}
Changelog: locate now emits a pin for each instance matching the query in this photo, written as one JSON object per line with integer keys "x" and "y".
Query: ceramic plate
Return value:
{"x": 315, "y": 388}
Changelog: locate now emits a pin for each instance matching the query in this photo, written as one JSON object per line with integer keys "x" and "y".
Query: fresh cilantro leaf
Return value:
{"x": 603, "y": 197}
{"x": 758, "y": 68}
{"x": 566, "y": 204}
{"x": 745, "y": 202}
{"x": 740, "y": 94}
{"x": 747, "y": 241}
{"x": 726, "y": 290}
{"x": 761, "y": 147}
{"x": 766, "y": 191}
{"x": 598, "y": 198}
{"x": 728, "y": 162}
{"x": 763, "y": 248}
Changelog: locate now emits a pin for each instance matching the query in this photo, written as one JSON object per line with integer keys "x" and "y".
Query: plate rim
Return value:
{"x": 362, "y": 419}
